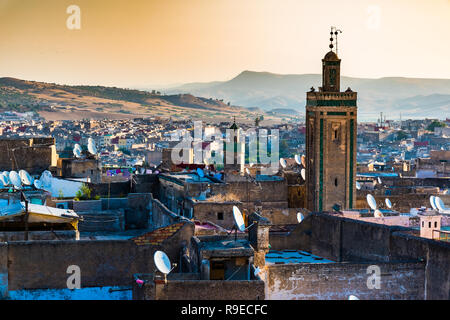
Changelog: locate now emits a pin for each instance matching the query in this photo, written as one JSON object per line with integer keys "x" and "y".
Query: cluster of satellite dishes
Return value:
{"x": 77, "y": 151}
{"x": 373, "y": 205}
{"x": 19, "y": 180}
{"x": 438, "y": 204}
{"x": 298, "y": 161}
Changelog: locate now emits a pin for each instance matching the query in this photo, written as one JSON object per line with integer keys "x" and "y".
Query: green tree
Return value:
{"x": 435, "y": 124}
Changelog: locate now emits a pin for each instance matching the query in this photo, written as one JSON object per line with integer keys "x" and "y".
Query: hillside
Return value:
{"x": 54, "y": 101}
{"x": 413, "y": 97}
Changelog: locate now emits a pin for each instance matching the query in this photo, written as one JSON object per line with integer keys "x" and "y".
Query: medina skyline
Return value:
{"x": 152, "y": 43}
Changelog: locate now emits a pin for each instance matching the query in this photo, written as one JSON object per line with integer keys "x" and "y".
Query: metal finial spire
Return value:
{"x": 334, "y": 31}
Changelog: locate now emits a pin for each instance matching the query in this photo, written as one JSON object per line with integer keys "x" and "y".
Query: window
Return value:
{"x": 429, "y": 224}
{"x": 335, "y": 134}
{"x": 219, "y": 215}
{"x": 423, "y": 224}
{"x": 335, "y": 182}
{"x": 435, "y": 224}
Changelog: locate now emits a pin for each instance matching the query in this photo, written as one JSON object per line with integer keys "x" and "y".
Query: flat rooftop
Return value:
{"x": 293, "y": 256}
{"x": 186, "y": 177}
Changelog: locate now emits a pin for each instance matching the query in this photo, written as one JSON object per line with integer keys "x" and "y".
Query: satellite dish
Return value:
{"x": 283, "y": 163}
{"x": 358, "y": 185}
{"x": 162, "y": 262}
{"x": 200, "y": 172}
{"x": 92, "y": 149}
{"x": 15, "y": 179}
{"x": 77, "y": 147}
{"x": 303, "y": 173}
{"x": 414, "y": 212}
{"x": 433, "y": 204}
{"x": 257, "y": 271}
{"x": 378, "y": 214}
{"x": 4, "y": 177}
{"x": 46, "y": 179}
{"x": 371, "y": 201}
{"x": 300, "y": 217}
{"x": 37, "y": 184}
{"x": 25, "y": 177}
{"x": 90, "y": 140}
{"x": 77, "y": 152}
{"x": 352, "y": 297}
{"x": 388, "y": 203}
{"x": 247, "y": 171}
{"x": 251, "y": 164}
{"x": 439, "y": 203}
{"x": 238, "y": 219}
{"x": 297, "y": 159}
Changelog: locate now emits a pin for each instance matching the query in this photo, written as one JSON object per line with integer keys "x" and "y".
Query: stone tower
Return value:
{"x": 234, "y": 155}
{"x": 330, "y": 141}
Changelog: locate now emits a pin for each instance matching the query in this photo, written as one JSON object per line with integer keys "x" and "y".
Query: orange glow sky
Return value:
{"x": 149, "y": 42}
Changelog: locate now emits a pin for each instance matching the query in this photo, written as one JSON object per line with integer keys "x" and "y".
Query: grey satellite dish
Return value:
{"x": 358, "y": 185}
{"x": 439, "y": 204}
{"x": 37, "y": 184}
{"x": 90, "y": 140}
{"x": 200, "y": 172}
{"x": 300, "y": 217}
{"x": 297, "y": 159}
{"x": 388, "y": 203}
{"x": 352, "y": 297}
{"x": 283, "y": 163}
{"x": 433, "y": 205}
{"x": 92, "y": 149}
{"x": 15, "y": 179}
{"x": 371, "y": 201}
{"x": 238, "y": 219}
{"x": 162, "y": 262}
{"x": 378, "y": 214}
{"x": 303, "y": 173}
{"x": 25, "y": 177}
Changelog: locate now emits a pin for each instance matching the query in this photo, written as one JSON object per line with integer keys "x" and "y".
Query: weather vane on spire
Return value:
{"x": 334, "y": 32}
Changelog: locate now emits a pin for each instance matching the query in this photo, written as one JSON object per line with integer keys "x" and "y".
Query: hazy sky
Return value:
{"x": 148, "y": 42}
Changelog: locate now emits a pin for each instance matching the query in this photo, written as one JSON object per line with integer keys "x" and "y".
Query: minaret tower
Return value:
{"x": 331, "y": 123}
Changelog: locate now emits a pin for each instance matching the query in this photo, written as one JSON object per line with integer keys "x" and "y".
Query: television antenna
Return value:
{"x": 334, "y": 31}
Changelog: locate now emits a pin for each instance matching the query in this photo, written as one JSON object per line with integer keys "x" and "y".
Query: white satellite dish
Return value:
{"x": 433, "y": 205}
{"x": 257, "y": 271}
{"x": 162, "y": 262}
{"x": 303, "y": 173}
{"x": 297, "y": 159}
{"x": 77, "y": 147}
{"x": 92, "y": 149}
{"x": 37, "y": 184}
{"x": 352, "y": 297}
{"x": 200, "y": 172}
{"x": 300, "y": 217}
{"x": 358, "y": 185}
{"x": 77, "y": 152}
{"x": 379, "y": 180}
{"x": 251, "y": 164}
{"x": 46, "y": 179}
{"x": 388, "y": 203}
{"x": 247, "y": 171}
{"x": 439, "y": 204}
{"x": 25, "y": 177}
{"x": 3, "y": 179}
{"x": 283, "y": 163}
{"x": 90, "y": 140}
{"x": 371, "y": 201}
{"x": 15, "y": 179}
{"x": 238, "y": 219}
{"x": 378, "y": 214}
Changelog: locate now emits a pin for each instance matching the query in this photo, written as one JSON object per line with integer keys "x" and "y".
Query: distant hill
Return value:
{"x": 54, "y": 101}
{"x": 413, "y": 97}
